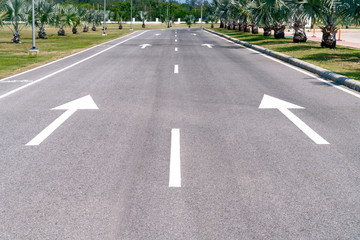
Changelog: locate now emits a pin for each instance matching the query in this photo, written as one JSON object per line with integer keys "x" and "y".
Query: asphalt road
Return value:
{"x": 239, "y": 171}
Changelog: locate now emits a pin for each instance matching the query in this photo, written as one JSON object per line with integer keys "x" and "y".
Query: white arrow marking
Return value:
{"x": 71, "y": 107}
{"x": 175, "y": 170}
{"x": 207, "y": 45}
{"x": 269, "y": 102}
{"x": 145, "y": 45}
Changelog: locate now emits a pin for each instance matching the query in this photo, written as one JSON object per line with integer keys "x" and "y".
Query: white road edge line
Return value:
{"x": 63, "y": 69}
{"x": 295, "y": 68}
{"x": 47, "y": 64}
{"x": 175, "y": 170}
{"x": 309, "y": 74}
{"x": 176, "y": 68}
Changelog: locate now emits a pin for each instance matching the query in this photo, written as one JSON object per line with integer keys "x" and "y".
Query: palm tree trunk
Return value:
{"x": 300, "y": 35}
{"x": 221, "y": 24}
{"x": 16, "y": 38}
{"x": 120, "y": 26}
{"x": 143, "y": 24}
{"x": 254, "y": 28}
{"x": 61, "y": 31}
{"x": 74, "y": 30}
{"x": 267, "y": 30}
{"x": 42, "y": 33}
{"x": 86, "y": 28}
{"x": 241, "y": 26}
{"x": 246, "y": 26}
{"x": 329, "y": 35}
{"x": 279, "y": 30}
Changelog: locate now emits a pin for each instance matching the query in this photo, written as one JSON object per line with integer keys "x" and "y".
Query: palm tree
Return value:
{"x": 328, "y": 12}
{"x": 118, "y": 15}
{"x": 95, "y": 18}
{"x": 212, "y": 19}
{"x": 222, "y": 9}
{"x": 242, "y": 10}
{"x": 63, "y": 17}
{"x": 17, "y": 12}
{"x": 44, "y": 15}
{"x": 189, "y": 19}
{"x": 280, "y": 16}
{"x": 272, "y": 14}
{"x": 78, "y": 15}
{"x": 143, "y": 17}
{"x": 262, "y": 12}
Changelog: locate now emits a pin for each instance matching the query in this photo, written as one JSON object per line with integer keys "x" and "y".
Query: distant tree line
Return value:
{"x": 274, "y": 15}
{"x": 16, "y": 14}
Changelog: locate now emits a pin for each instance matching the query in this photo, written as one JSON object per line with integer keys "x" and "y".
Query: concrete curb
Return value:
{"x": 340, "y": 79}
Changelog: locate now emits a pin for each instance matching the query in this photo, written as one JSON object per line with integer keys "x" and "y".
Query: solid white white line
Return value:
{"x": 176, "y": 68}
{"x": 176, "y": 49}
{"x": 309, "y": 74}
{"x": 295, "y": 68}
{"x": 51, "y": 128}
{"x": 303, "y": 126}
{"x": 61, "y": 59}
{"x": 65, "y": 68}
{"x": 175, "y": 169}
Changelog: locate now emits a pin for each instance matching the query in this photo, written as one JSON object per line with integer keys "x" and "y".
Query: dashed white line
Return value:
{"x": 175, "y": 169}
{"x": 176, "y": 49}
{"x": 16, "y": 81}
{"x": 175, "y": 40}
{"x": 176, "y": 68}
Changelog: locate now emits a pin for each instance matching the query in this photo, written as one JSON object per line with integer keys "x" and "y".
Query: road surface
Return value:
{"x": 177, "y": 134}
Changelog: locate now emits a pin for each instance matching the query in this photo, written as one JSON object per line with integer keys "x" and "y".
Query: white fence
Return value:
{"x": 157, "y": 21}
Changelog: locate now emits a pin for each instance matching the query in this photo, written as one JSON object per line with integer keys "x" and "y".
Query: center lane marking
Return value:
{"x": 175, "y": 170}
{"x": 176, "y": 68}
{"x": 175, "y": 40}
{"x": 176, "y": 49}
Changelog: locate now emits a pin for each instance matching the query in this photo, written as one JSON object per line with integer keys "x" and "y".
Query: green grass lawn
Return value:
{"x": 14, "y": 58}
{"x": 342, "y": 60}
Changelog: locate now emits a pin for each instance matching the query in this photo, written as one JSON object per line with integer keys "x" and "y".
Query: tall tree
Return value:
{"x": 328, "y": 12}
{"x": 17, "y": 12}
{"x": 143, "y": 17}
{"x": 44, "y": 14}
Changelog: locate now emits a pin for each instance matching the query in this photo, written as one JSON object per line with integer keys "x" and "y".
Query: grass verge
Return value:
{"x": 342, "y": 60}
{"x": 14, "y": 58}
